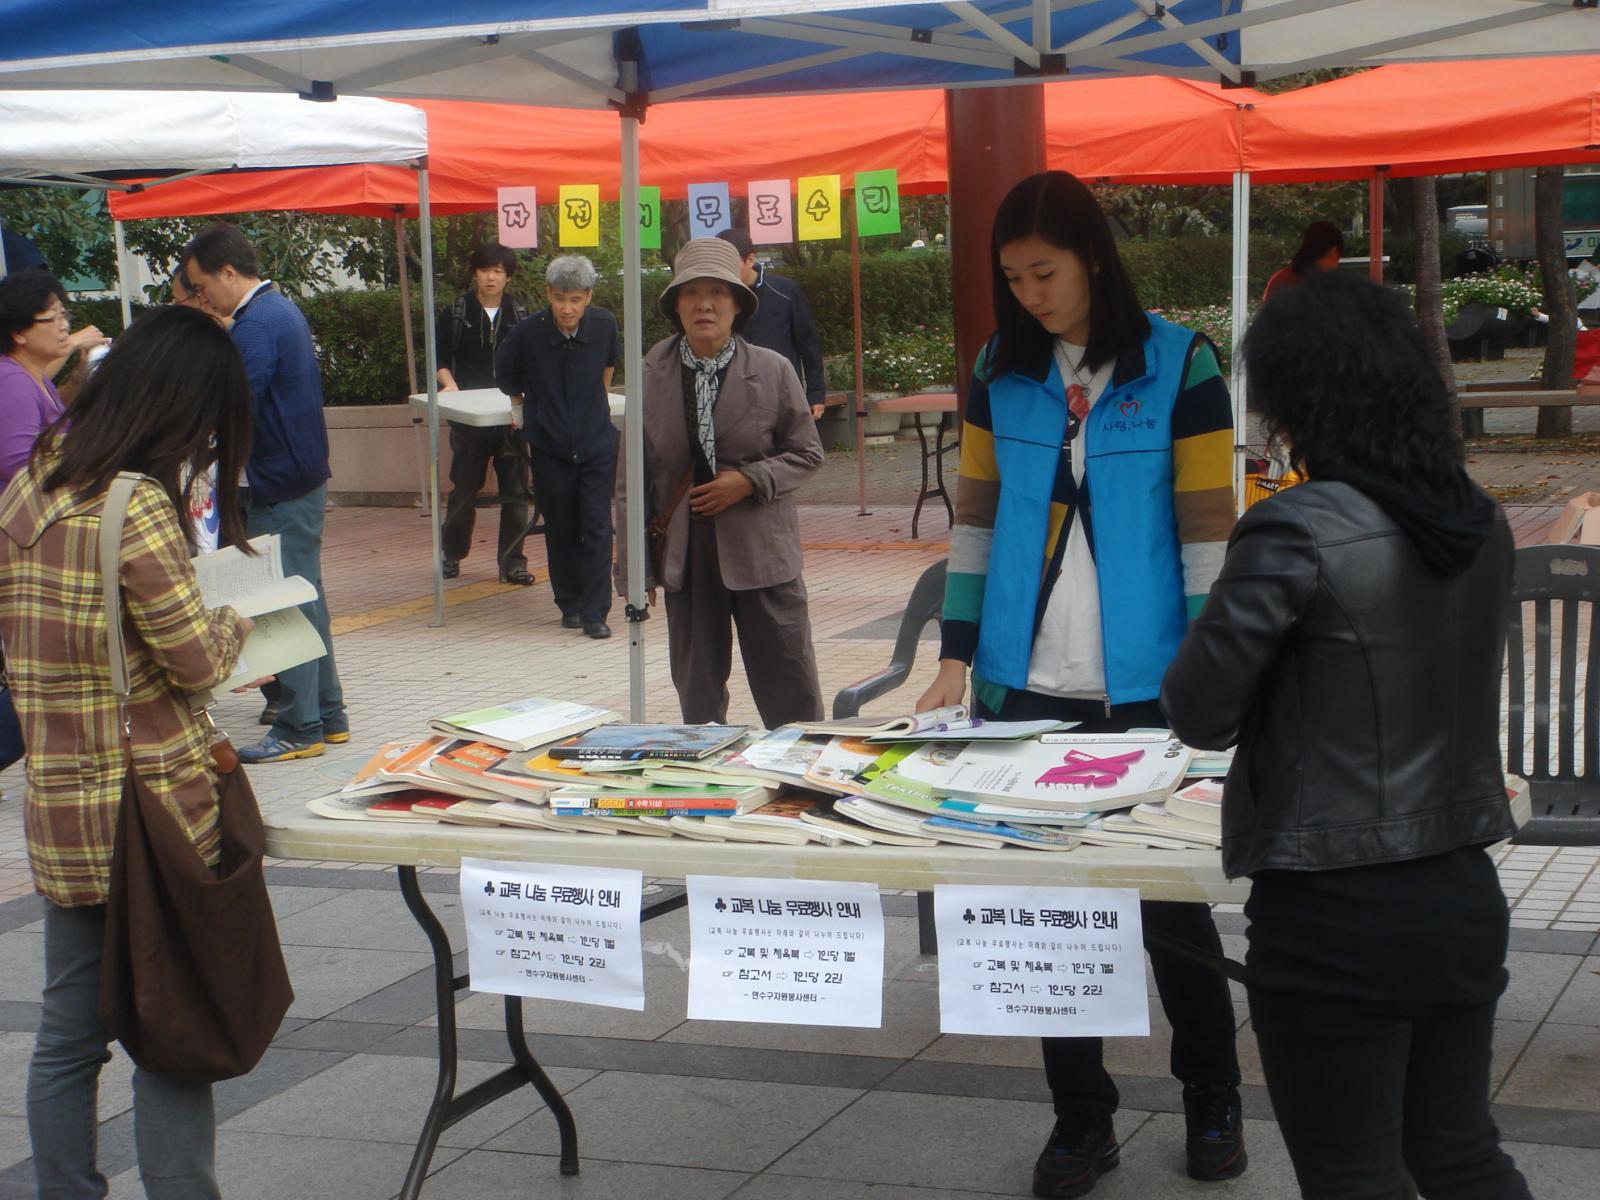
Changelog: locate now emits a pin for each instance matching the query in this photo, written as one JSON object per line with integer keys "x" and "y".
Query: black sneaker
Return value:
{"x": 571, "y": 621}
{"x": 1216, "y": 1132}
{"x": 1082, "y": 1147}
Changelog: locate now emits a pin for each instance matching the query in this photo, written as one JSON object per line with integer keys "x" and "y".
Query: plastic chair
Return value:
{"x": 926, "y": 604}
{"x": 1562, "y": 583}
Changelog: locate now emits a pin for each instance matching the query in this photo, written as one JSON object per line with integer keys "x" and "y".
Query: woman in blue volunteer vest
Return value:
{"x": 1092, "y": 512}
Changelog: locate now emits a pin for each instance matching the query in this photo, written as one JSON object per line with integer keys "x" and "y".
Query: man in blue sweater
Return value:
{"x": 288, "y": 472}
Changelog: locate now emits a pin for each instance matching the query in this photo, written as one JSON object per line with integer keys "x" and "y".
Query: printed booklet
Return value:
{"x": 254, "y": 586}
{"x": 523, "y": 724}
{"x": 673, "y": 742}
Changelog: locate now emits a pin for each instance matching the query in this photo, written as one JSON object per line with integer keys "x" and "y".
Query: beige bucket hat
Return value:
{"x": 708, "y": 258}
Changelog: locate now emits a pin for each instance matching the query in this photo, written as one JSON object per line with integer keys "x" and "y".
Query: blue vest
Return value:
{"x": 1129, "y": 474}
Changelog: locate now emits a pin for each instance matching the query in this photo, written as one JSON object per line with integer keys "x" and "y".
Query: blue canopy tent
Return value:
{"x": 629, "y": 54}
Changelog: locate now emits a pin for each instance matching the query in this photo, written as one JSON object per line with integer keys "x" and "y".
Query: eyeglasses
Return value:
{"x": 61, "y": 318}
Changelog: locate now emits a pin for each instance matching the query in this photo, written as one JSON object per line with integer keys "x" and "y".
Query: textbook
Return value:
{"x": 412, "y": 768}
{"x": 934, "y": 719}
{"x": 782, "y": 756}
{"x": 1089, "y": 773}
{"x": 787, "y": 814}
{"x": 482, "y": 766}
{"x": 254, "y": 586}
{"x": 1199, "y": 803}
{"x": 1154, "y": 818}
{"x": 978, "y": 730}
{"x": 838, "y": 768}
{"x": 522, "y": 724}
{"x": 670, "y": 742}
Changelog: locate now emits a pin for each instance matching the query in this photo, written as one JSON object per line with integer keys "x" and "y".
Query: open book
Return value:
{"x": 256, "y": 587}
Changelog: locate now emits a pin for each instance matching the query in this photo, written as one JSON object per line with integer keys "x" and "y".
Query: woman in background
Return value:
{"x": 1321, "y": 248}
{"x": 1351, "y": 649}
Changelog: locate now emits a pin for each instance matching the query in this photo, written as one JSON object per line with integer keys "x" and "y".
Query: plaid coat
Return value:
{"x": 52, "y": 623}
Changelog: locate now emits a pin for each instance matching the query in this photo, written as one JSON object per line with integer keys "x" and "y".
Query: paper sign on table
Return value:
{"x": 554, "y": 932}
{"x": 649, "y": 218}
{"x": 819, "y": 208}
{"x": 785, "y": 951}
{"x": 709, "y": 214}
{"x": 517, "y": 212}
{"x": 877, "y": 202}
{"x": 579, "y": 220}
{"x": 1041, "y": 962}
{"x": 771, "y": 216}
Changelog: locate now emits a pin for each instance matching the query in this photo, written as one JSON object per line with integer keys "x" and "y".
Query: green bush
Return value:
{"x": 899, "y": 292}
{"x": 361, "y": 345}
{"x": 1193, "y": 272}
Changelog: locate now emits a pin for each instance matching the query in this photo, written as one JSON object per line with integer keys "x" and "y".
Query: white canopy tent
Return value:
{"x": 629, "y": 54}
{"x": 89, "y": 139}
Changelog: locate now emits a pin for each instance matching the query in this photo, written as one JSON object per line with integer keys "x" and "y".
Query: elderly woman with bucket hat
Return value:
{"x": 728, "y": 438}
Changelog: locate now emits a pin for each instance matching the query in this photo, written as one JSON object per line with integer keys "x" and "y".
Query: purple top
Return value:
{"x": 25, "y": 410}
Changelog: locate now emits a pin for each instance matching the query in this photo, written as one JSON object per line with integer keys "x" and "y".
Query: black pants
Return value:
{"x": 1358, "y": 1090}
{"x": 575, "y": 501}
{"x": 1195, "y": 998}
{"x": 472, "y": 449}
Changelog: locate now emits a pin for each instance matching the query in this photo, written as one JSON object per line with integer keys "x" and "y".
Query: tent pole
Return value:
{"x": 1375, "y": 225}
{"x": 120, "y": 236}
{"x": 633, "y": 419}
{"x": 405, "y": 302}
{"x": 861, "y": 395}
{"x": 411, "y": 355}
{"x": 429, "y": 352}
{"x": 1241, "y": 305}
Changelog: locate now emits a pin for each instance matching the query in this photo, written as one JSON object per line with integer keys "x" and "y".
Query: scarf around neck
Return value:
{"x": 707, "y": 384}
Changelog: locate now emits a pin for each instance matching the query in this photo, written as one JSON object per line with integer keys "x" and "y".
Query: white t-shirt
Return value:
{"x": 492, "y": 313}
{"x": 1068, "y": 654}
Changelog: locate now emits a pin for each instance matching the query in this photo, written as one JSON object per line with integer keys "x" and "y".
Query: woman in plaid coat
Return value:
{"x": 168, "y": 402}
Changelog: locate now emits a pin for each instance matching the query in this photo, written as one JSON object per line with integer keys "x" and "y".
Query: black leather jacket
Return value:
{"x": 1362, "y": 689}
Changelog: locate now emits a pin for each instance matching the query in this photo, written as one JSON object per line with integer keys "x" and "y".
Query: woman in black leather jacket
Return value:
{"x": 1351, "y": 648}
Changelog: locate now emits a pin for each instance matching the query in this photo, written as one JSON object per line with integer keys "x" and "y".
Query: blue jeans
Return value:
{"x": 174, "y": 1124}
{"x": 309, "y": 698}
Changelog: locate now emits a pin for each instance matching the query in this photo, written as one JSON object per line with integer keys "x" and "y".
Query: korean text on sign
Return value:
{"x": 554, "y": 932}
{"x": 785, "y": 951}
{"x": 1042, "y": 962}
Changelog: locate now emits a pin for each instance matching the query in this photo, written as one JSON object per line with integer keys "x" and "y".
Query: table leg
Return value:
{"x": 922, "y": 492}
{"x": 448, "y": 1108}
{"x": 945, "y": 424}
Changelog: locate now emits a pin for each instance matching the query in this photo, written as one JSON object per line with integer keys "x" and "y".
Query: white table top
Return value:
{"x": 1158, "y": 874}
{"x": 487, "y": 407}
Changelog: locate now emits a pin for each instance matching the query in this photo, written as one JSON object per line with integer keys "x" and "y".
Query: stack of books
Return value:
{"x": 914, "y": 780}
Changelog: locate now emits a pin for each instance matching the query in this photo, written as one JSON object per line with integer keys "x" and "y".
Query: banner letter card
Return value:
{"x": 517, "y": 212}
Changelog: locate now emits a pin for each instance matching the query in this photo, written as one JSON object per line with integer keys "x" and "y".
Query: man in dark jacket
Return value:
{"x": 783, "y": 321}
{"x": 560, "y": 361}
{"x": 466, "y": 337}
{"x": 288, "y": 472}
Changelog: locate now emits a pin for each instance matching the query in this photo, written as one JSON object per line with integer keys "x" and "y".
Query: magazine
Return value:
{"x": 669, "y": 742}
{"x": 934, "y": 719}
{"x": 1092, "y": 772}
{"x": 522, "y": 724}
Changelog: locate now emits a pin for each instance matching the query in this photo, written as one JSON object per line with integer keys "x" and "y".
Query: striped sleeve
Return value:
{"x": 977, "y": 498}
{"x": 1202, "y": 472}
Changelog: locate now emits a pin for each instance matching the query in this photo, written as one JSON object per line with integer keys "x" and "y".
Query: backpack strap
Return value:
{"x": 458, "y": 320}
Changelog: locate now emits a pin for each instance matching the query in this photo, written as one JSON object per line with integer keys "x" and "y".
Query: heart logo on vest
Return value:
{"x": 1129, "y": 408}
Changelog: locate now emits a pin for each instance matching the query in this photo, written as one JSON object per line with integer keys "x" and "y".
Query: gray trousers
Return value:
{"x": 774, "y": 639}
{"x": 174, "y": 1125}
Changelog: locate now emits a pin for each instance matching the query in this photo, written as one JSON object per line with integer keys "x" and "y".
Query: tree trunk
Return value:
{"x": 1559, "y": 301}
{"x": 1422, "y": 195}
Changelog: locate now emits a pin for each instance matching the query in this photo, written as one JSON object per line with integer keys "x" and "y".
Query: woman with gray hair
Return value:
{"x": 559, "y": 362}
{"x": 728, "y": 437}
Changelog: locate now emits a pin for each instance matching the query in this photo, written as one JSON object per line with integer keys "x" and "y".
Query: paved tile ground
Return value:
{"x": 668, "y": 1107}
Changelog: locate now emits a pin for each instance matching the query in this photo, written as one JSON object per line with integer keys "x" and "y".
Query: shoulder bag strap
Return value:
{"x": 113, "y": 517}
{"x": 663, "y": 518}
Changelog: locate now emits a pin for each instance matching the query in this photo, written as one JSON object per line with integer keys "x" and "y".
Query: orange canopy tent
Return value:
{"x": 1133, "y": 129}
{"x": 1428, "y": 119}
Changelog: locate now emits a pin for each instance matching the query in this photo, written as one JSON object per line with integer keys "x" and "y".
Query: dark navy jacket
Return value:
{"x": 783, "y": 323}
{"x": 565, "y": 410}
{"x": 290, "y": 455}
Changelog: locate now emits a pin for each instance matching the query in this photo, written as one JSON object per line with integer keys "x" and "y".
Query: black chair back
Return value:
{"x": 1558, "y": 752}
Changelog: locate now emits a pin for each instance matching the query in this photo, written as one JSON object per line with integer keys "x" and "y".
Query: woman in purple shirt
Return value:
{"x": 34, "y": 326}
